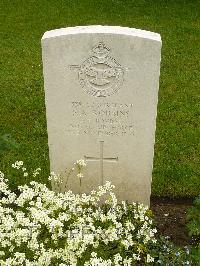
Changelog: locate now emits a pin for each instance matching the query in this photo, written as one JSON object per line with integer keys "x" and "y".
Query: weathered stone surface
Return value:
{"x": 101, "y": 90}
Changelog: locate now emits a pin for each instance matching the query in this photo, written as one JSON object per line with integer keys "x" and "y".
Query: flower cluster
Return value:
{"x": 41, "y": 227}
{"x": 60, "y": 181}
{"x": 19, "y": 165}
{"x": 54, "y": 177}
{"x": 36, "y": 172}
{"x": 80, "y": 164}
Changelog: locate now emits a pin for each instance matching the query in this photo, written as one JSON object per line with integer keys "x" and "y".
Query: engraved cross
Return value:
{"x": 101, "y": 159}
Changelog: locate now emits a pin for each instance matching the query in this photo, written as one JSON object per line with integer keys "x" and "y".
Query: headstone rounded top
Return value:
{"x": 102, "y": 29}
{"x": 101, "y": 92}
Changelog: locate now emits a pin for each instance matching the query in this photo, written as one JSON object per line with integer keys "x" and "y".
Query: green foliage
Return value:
{"x": 193, "y": 226}
{"x": 193, "y": 218}
{"x": 195, "y": 255}
{"x": 169, "y": 254}
{"x": 7, "y": 143}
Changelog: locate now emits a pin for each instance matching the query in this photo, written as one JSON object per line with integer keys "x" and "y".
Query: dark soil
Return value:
{"x": 170, "y": 217}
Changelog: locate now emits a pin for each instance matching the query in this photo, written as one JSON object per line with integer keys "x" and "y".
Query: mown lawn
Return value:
{"x": 22, "y": 110}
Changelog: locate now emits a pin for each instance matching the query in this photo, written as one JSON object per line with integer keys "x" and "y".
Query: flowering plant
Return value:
{"x": 41, "y": 227}
{"x": 60, "y": 181}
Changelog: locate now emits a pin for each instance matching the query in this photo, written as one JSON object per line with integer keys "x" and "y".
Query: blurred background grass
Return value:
{"x": 22, "y": 111}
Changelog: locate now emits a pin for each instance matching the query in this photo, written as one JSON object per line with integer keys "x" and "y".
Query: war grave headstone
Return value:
{"x": 101, "y": 91}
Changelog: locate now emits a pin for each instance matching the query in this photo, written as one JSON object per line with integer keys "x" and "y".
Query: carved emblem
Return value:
{"x": 100, "y": 75}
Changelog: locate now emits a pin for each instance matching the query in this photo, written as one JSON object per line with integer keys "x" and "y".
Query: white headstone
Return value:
{"x": 101, "y": 90}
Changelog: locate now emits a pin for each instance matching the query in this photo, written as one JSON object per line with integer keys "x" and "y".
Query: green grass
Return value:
{"x": 22, "y": 110}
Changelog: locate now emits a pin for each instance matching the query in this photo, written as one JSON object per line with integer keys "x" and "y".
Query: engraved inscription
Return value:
{"x": 100, "y": 75}
{"x": 101, "y": 119}
{"x": 101, "y": 159}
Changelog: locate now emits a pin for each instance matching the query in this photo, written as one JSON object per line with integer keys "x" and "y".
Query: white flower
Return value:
{"x": 127, "y": 262}
{"x": 81, "y": 162}
{"x": 36, "y": 172}
{"x": 80, "y": 175}
{"x": 149, "y": 258}
{"x": 17, "y": 164}
{"x": 1, "y": 175}
{"x": 94, "y": 254}
{"x": 54, "y": 177}
{"x": 70, "y": 224}
{"x": 117, "y": 259}
{"x": 136, "y": 257}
